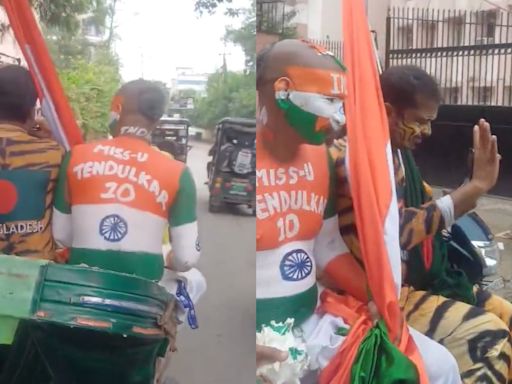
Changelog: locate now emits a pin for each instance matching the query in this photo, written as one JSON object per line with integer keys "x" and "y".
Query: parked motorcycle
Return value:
{"x": 476, "y": 251}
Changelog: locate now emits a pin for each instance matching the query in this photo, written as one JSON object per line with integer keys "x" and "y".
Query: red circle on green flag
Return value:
{"x": 9, "y": 196}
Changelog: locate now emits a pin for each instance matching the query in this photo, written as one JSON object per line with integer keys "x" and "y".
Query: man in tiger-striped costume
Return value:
{"x": 28, "y": 170}
{"x": 479, "y": 339}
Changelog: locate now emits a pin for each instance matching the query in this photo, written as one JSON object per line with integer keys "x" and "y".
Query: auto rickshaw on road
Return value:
{"x": 232, "y": 170}
{"x": 171, "y": 135}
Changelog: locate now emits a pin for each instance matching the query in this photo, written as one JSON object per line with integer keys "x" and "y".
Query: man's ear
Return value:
{"x": 31, "y": 120}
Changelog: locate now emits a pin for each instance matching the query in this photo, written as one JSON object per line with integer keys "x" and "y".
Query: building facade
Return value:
{"x": 321, "y": 21}
{"x": 465, "y": 45}
{"x": 10, "y": 52}
{"x": 187, "y": 79}
{"x": 91, "y": 30}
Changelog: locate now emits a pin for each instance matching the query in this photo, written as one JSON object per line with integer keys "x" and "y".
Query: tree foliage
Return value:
{"x": 64, "y": 14}
{"x": 289, "y": 31}
{"x": 90, "y": 72}
{"x": 65, "y": 47}
{"x": 212, "y": 6}
{"x": 228, "y": 94}
{"x": 245, "y": 37}
{"x": 90, "y": 86}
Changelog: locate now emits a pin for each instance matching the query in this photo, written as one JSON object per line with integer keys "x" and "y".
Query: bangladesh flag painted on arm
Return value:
{"x": 23, "y": 195}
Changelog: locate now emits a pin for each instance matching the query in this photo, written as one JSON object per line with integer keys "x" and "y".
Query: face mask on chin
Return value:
{"x": 113, "y": 121}
{"x": 313, "y": 127}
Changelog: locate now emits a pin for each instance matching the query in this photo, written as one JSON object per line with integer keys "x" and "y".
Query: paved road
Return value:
{"x": 222, "y": 350}
{"x": 497, "y": 213}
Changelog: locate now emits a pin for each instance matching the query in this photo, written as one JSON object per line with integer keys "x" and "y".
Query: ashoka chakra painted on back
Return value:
{"x": 113, "y": 228}
{"x": 296, "y": 265}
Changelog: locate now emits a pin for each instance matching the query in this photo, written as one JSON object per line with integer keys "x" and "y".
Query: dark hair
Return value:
{"x": 401, "y": 85}
{"x": 151, "y": 98}
{"x": 261, "y": 59}
{"x": 18, "y": 94}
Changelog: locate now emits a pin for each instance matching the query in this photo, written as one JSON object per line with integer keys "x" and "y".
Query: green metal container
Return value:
{"x": 79, "y": 324}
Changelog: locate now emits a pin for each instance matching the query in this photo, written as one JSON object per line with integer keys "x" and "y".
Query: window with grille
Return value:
{"x": 450, "y": 95}
{"x": 455, "y": 32}
{"x": 270, "y": 16}
{"x": 405, "y": 37}
{"x": 486, "y": 26}
{"x": 482, "y": 95}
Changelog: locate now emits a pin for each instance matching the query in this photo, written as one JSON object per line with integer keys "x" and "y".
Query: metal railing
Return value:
{"x": 270, "y": 16}
{"x": 334, "y": 46}
{"x": 468, "y": 52}
{"x": 8, "y": 59}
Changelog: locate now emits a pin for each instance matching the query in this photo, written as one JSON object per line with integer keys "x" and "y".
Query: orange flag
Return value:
{"x": 370, "y": 166}
{"x": 54, "y": 103}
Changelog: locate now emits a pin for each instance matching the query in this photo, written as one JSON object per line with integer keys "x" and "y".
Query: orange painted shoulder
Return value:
{"x": 165, "y": 155}
{"x": 163, "y": 152}
{"x": 314, "y": 152}
{"x": 314, "y": 148}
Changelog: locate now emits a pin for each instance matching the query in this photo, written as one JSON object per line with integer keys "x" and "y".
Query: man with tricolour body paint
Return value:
{"x": 116, "y": 197}
{"x": 300, "y": 98}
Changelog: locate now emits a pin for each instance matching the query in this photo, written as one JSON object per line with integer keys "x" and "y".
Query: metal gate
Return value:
{"x": 468, "y": 52}
{"x": 470, "y": 55}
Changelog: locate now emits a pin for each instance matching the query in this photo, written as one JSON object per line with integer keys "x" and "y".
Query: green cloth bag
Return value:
{"x": 379, "y": 361}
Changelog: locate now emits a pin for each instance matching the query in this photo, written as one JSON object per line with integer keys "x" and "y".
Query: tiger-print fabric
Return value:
{"x": 495, "y": 304}
{"x": 18, "y": 150}
{"x": 415, "y": 224}
{"x": 344, "y": 202}
{"x": 479, "y": 340}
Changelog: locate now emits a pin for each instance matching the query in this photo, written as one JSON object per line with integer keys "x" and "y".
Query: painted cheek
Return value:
{"x": 405, "y": 133}
{"x": 427, "y": 129}
{"x": 412, "y": 130}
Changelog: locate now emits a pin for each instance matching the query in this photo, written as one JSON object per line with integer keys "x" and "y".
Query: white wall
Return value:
{"x": 377, "y": 15}
{"x": 331, "y": 26}
{"x": 8, "y": 44}
{"x": 324, "y": 17}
